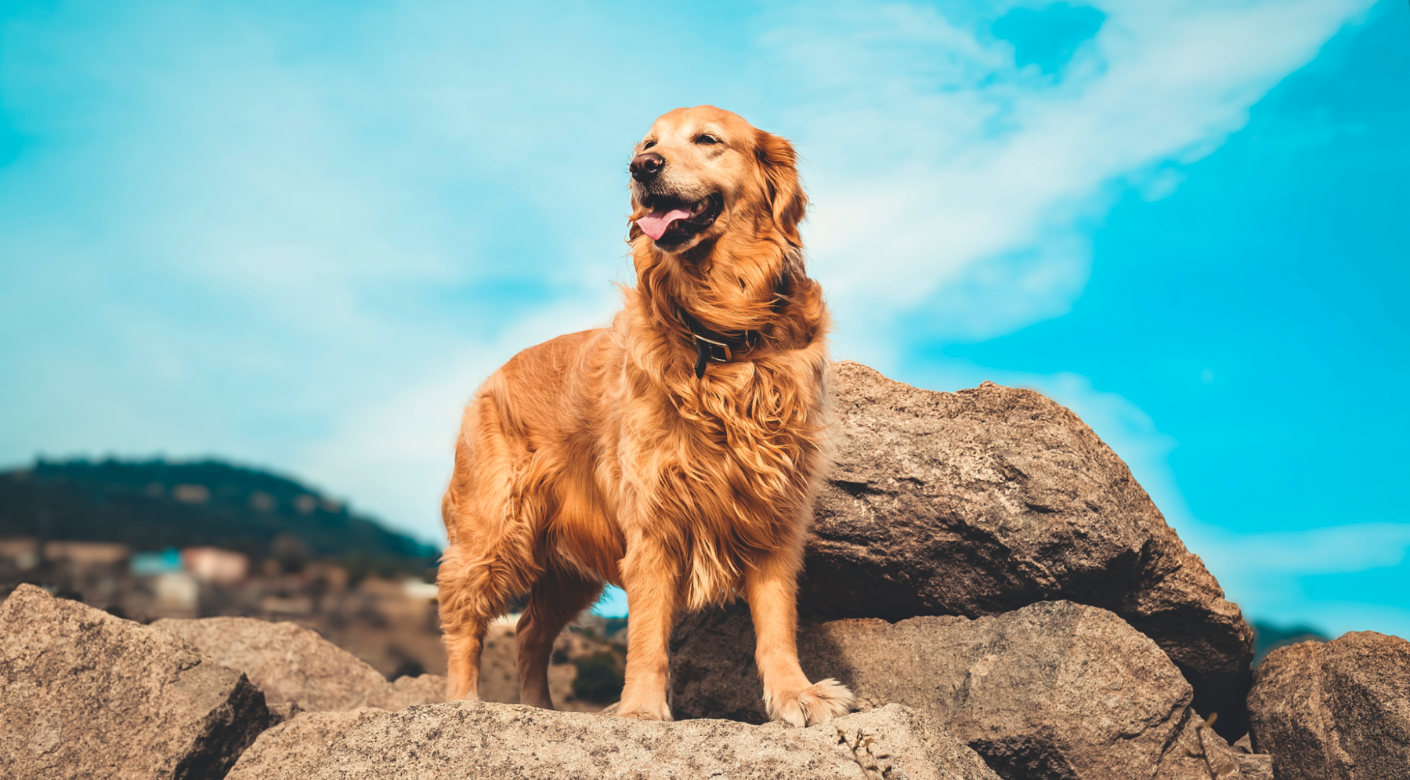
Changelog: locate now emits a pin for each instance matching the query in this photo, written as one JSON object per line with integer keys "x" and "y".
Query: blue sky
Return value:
{"x": 299, "y": 235}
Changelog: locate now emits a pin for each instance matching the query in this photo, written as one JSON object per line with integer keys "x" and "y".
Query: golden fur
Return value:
{"x": 600, "y": 457}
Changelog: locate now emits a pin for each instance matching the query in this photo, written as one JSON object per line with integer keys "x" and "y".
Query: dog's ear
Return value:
{"x": 779, "y": 164}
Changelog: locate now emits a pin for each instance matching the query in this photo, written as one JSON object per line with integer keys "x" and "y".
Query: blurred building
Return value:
{"x": 151, "y": 564}
{"x": 214, "y": 565}
{"x": 391, "y": 623}
{"x": 18, "y": 556}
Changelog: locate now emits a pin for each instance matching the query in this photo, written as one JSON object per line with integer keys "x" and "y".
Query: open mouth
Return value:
{"x": 675, "y": 220}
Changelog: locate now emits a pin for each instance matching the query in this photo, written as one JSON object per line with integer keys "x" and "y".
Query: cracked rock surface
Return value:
{"x": 1054, "y": 690}
{"x": 1337, "y": 710}
{"x": 990, "y": 499}
{"x": 84, "y": 694}
{"x": 516, "y": 742}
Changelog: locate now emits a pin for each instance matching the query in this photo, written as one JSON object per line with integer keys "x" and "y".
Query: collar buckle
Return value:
{"x": 707, "y": 350}
{"x": 717, "y": 351}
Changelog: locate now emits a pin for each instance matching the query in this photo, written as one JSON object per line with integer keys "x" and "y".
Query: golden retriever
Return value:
{"x": 674, "y": 454}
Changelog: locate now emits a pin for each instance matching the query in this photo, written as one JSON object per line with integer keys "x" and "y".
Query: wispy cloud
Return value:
{"x": 301, "y": 235}
{"x": 969, "y": 183}
{"x": 1270, "y": 572}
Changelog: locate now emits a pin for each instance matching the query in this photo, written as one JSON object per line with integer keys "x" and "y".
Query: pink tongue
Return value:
{"x": 657, "y": 223}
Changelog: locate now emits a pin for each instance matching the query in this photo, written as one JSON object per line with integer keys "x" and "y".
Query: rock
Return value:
{"x": 1335, "y": 711}
{"x": 510, "y": 742}
{"x": 407, "y": 692}
{"x": 298, "y": 670}
{"x": 499, "y": 668}
{"x": 987, "y": 500}
{"x": 288, "y": 662}
{"x": 1257, "y": 766}
{"x": 84, "y": 694}
{"x": 1053, "y": 690}
{"x": 294, "y": 748}
{"x": 1199, "y": 752}
{"x": 1254, "y": 767}
{"x": 908, "y": 742}
{"x": 278, "y": 713}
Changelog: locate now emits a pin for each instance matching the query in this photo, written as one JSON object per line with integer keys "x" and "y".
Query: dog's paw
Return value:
{"x": 818, "y": 703}
{"x": 644, "y": 711}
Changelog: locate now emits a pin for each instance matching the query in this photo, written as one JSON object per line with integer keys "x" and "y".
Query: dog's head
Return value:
{"x": 701, "y": 172}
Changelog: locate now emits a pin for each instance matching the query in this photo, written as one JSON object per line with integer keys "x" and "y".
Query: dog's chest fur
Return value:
{"x": 729, "y": 466}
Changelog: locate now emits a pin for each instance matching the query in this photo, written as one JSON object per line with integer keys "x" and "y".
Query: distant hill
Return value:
{"x": 151, "y": 505}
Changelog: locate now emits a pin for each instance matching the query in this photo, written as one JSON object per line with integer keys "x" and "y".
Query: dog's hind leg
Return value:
{"x": 492, "y": 511}
{"x": 469, "y": 600}
{"x": 554, "y": 600}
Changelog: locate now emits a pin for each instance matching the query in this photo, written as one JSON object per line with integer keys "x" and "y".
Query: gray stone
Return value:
{"x": 908, "y": 742}
{"x": 294, "y": 748}
{"x": 84, "y": 694}
{"x": 1053, "y": 690}
{"x": 986, "y": 500}
{"x": 514, "y": 742}
{"x": 288, "y": 662}
{"x": 298, "y": 670}
{"x": 1337, "y": 710}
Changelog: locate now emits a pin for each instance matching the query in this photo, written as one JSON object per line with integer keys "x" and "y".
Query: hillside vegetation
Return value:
{"x": 155, "y": 504}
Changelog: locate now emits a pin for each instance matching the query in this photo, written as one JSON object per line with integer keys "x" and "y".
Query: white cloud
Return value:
{"x": 1343, "y": 549}
{"x": 958, "y": 161}
{"x": 1266, "y": 572}
{"x": 395, "y": 454}
{"x": 258, "y": 234}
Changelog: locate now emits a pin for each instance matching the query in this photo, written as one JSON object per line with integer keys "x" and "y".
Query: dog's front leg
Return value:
{"x": 772, "y": 589}
{"x": 652, "y": 582}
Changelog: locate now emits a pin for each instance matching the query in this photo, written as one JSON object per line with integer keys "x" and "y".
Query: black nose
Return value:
{"x": 647, "y": 165}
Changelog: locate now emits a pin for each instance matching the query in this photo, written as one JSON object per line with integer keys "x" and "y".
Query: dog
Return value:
{"x": 674, "y": 454}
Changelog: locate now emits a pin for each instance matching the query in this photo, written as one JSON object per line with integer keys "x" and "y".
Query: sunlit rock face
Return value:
{"x": 990, "y": 499}
{"x": 84, "y": 694}
{"x": 1338, "y": 710}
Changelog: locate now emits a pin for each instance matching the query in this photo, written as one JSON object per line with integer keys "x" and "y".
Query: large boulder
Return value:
{"x": 298, "y": 670}
{"x": 1338, "y": 710}
{"x": 513, "y": 742}
{"x": 84, "y": 694}
{"x": 986, "y": 500}
{"x": 1054, "y": 690}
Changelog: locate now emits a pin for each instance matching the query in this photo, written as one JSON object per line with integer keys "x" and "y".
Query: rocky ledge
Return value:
{"x": 984, "y": 573}
{"x": 1055, "y": 689}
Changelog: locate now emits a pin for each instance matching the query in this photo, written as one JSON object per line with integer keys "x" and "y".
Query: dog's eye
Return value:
{"x": 708, "y": 140}
{"x": 647, "y": 145}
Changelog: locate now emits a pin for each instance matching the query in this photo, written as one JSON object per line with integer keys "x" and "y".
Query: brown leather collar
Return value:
{"x": 715, "y": 347}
